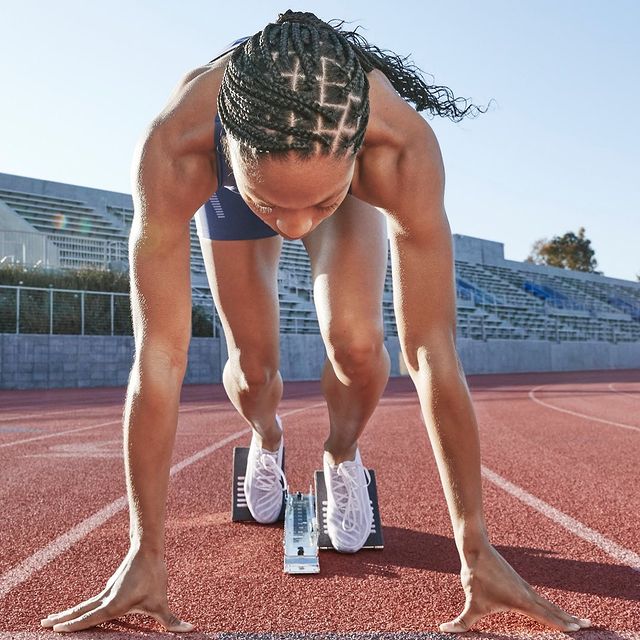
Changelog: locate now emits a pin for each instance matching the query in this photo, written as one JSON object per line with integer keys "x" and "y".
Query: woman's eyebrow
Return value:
{"x": 326, "y": 202}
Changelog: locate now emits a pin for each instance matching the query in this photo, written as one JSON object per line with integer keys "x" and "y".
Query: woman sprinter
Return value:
{"x": 302, "y": 130}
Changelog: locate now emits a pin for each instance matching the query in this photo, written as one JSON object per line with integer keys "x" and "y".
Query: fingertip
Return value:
{"x": 184, "y": 627}
{"x": 573, "y": 627}
{"x": 45, "y": 622}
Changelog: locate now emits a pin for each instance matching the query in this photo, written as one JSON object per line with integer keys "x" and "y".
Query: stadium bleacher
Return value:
{"x": 496, "y": 298}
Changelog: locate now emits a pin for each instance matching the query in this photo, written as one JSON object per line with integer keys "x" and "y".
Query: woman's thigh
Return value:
{"x": 243, "y": 278}
{"x": 348, "y": 253}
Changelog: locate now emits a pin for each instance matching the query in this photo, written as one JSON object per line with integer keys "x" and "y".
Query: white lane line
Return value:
{"x": 46, "y": 414}
{"x": 205, "y": 452}
{"x": 58, "y": 433}
{"x": 79, "y": 407}
{"x": 59, "y": 545}
{"x": 632, "y": 394}
{"x": 532, "y": 396}
{"x": 95, "y": 426}
{"x": 611, "y": 548}
{"x": 65, "y": 541}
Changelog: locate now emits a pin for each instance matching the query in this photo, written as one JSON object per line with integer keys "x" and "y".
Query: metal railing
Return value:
{"x": 78, "y": 312}
{"x": 60, "y": 250}
{"x": 63, "y": 311}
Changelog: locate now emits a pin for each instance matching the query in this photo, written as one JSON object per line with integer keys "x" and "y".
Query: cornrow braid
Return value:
{"x": 406, "y": 78}
{"x": 295, "y": 85}
{"x": 300, "y": 84}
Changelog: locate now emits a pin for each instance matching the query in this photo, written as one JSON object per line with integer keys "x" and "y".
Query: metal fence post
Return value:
{"x": 82, "y": 313}
{"x": 112, "y": 311}
{"x": 18, "y": 310}
{"x": 50, "y": 310}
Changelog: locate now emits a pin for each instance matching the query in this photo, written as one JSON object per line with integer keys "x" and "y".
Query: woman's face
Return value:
{"x": 293, "y": 195}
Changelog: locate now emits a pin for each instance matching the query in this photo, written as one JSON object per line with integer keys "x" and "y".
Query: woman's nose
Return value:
{"x": 294, "y": 228}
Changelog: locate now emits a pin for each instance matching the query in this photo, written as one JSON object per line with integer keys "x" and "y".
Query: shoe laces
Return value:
{"x": 349, "y": 500}
{"x": 265, "y": 478}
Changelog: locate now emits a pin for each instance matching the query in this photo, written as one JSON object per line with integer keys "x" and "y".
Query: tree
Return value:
{"x": 569, "y": 251}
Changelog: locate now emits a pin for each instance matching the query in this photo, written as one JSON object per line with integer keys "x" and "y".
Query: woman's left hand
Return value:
{"x": 492, "y": 585}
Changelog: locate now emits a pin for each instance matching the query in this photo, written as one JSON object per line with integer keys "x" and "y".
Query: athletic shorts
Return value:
{"x": 225, "y": 215}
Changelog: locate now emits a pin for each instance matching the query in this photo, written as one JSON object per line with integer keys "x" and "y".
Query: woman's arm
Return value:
{"x": 168, "y": 185}
{"x": 425, "y": 307}
{"x": 424, "y": 302}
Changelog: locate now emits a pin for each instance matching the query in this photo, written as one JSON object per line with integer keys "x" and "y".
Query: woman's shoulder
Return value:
{"x": 392, "y": 120}
{"x": 399, "y": 145}
{"x": 188, "y": 116}
{"x": 186, "y": 123}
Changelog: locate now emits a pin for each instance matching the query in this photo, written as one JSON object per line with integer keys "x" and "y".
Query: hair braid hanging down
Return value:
{"x": 300, "y": 85}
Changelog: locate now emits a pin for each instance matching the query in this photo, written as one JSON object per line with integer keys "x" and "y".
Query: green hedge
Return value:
{"x": 84, "y": 279}
{"x": 35, "y": 305}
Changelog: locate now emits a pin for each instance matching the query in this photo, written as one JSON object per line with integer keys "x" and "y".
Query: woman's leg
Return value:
{"x": 348, "y": 253}
{"x": 243, "y": 279}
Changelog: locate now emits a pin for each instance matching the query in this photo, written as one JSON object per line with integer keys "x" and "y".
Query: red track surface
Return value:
{"x": 226, "y": 576}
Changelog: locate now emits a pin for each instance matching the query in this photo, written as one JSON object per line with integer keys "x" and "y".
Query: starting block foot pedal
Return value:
{"x": 239, "y": 509}
{"x": 374, "y": 541}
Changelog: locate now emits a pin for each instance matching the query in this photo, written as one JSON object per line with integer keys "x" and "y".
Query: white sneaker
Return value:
{"x": 349, "y": 512}
{"x": 262, "y": 486}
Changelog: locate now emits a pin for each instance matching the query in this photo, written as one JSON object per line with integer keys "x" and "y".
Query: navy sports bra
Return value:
{"x": 225, "y": 175}
{"x": 230, "y": 47}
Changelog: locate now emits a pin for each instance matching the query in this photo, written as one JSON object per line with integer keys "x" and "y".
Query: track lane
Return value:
{"x": 413, "y": 584}
{"x": 579, "y": 466}
{"x": 589, "y": 402}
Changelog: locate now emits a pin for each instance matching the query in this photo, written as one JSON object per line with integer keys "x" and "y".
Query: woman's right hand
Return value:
{"x": 139, "y": 585}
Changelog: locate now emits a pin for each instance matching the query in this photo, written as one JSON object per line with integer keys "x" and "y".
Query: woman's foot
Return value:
{"x": 349, "y": 512}
{"x": 262, "y": 487}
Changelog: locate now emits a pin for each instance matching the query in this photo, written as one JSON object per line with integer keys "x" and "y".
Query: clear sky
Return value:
{"x": 558, "y": 149}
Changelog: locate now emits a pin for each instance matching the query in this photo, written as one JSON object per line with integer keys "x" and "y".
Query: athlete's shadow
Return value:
{"x": 432, "y": 552}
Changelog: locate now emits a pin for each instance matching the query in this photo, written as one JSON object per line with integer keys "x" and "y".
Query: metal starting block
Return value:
{"x": 301, "y": 534}
{"x": 374, "y": 541}
{"x": 239, "y": 509}
{"x": 304, "y": 516}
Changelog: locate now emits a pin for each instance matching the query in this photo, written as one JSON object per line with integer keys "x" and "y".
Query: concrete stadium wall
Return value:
{"x": 513, "y": 356}
{"x": 43, "y": 361}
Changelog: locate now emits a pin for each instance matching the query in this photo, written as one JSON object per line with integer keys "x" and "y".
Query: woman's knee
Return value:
{"x": 250, "y": 370}
{"x": 354, "y": 350}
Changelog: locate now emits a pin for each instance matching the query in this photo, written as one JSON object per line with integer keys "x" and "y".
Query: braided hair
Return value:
{"x": 300, "y": 85}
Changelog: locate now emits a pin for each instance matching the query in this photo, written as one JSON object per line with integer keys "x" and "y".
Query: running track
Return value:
{"x": 560, "y": 459}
